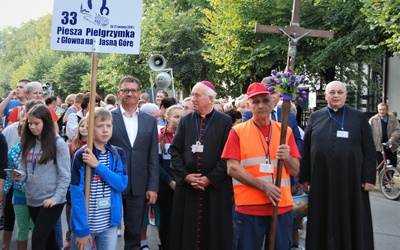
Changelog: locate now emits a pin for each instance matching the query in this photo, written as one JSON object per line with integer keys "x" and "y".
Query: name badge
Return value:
{"x": 266, "y": 168}
{"x": 342, "y": 134}
{"x": 32, "y": 178}
{"x": 103, "y": 203}
{"x": 197, "y": 148}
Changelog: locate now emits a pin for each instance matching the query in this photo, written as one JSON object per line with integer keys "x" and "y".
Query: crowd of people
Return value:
{"x": 202, "y": 170}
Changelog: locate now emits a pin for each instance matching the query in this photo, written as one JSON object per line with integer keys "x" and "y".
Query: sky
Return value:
{"x": 14, "y": 13}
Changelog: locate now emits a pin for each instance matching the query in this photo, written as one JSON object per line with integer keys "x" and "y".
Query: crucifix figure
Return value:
{"x": 294, "y": 32}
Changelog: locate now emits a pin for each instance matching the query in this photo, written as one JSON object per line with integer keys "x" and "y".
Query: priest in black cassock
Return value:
{"x": 338, "y": 170}
{"x": 202, "y": 206}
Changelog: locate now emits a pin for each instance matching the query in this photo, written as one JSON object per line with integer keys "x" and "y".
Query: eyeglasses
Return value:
{"x": 339, "y": 92}
{"x": 133, "y": 91}
{"x": 196, "y": 96}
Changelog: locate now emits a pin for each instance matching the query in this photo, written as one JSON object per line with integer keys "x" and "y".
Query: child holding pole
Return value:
{"x": 108, "y": 180}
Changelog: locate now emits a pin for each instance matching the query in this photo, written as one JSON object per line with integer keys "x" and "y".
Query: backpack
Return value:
{"x": 55, "y": 145}
{"x": 62, "y": 125}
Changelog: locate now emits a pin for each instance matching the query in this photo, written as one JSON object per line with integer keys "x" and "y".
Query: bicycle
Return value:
{"x": 389, "y": 177}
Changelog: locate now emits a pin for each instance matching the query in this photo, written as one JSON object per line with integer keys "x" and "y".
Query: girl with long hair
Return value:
{"x": 80, "y": 138}
{"x": 45, "y": 168}
{"x": 13, "y": 203}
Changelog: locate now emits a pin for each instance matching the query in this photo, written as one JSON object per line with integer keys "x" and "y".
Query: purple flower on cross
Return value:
{"x": 287, "y": 84}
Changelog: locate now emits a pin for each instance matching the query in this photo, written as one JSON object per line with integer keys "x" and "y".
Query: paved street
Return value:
{"x": 385, "y": 214}
{"x": 386, "y": 219}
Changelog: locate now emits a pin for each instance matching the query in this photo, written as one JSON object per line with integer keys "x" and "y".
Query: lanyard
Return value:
{"x": 34, "y": 159}
{"x": 204, "y": 131}
{"x": 267, "y": 139}
{"x": 344, "y": 111}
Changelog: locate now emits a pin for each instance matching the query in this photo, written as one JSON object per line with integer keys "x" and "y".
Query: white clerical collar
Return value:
{"x": 334, "y": 109}
{"x": 204, "y": 116}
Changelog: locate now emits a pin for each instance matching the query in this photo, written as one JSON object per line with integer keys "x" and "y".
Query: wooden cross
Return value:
{"x": 294, "y": 32}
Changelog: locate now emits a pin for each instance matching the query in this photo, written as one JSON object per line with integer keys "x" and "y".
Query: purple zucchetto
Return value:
{"x": 208, "y": 84}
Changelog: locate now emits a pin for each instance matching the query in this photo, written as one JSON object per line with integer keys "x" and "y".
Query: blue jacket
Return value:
{"x": 115, "y": 176}
{"x": 295, "y": 128}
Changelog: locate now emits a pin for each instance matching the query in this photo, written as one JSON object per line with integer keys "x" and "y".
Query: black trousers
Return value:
{"x": 9, "y": 215}
{"x": 133, "y": 218}
{"x": 43, "y": 235}
{"x": 164, "y": 200}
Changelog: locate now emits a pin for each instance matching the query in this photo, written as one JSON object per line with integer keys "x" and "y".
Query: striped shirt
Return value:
{"x": 99, "y": 218}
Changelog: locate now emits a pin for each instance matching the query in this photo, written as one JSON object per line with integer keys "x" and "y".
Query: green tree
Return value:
{"x": 241, "y": 55}
{"x": 343, "y": 57}
{"x": 207, "y": 39}
{"x": 111, "y": 68}
{"x": 169, "y": 28}
{"x": 25, "y": 52}
{"x": 67, "y": 74}
{"x": 13, "y": 48}
{"x": 385, "y": 14}
{"x": 246, "y": 57}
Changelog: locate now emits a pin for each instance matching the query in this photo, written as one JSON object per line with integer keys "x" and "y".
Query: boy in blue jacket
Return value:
{"x": 108, "y": 180}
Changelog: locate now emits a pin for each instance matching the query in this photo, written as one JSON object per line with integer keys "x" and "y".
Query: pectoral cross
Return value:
{"x": 294, "y": 32}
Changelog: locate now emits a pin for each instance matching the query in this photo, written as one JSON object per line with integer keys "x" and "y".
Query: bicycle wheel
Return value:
{"x": 390, "y": 183}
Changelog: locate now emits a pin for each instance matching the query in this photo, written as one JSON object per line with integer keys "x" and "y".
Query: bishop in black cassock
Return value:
{"x": 202, "y": 207}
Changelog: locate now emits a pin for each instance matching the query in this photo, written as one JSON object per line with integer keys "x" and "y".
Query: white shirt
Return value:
{"x": 274, "y": 112}
{"x": 131, "y": 124}
{"x": 72, "y": 124}
{"x": 11, "y": 134}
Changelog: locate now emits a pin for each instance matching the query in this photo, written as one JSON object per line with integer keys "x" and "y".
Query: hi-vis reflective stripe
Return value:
{"x": 284, "y": 182}
{"x": 255, "y": 161}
